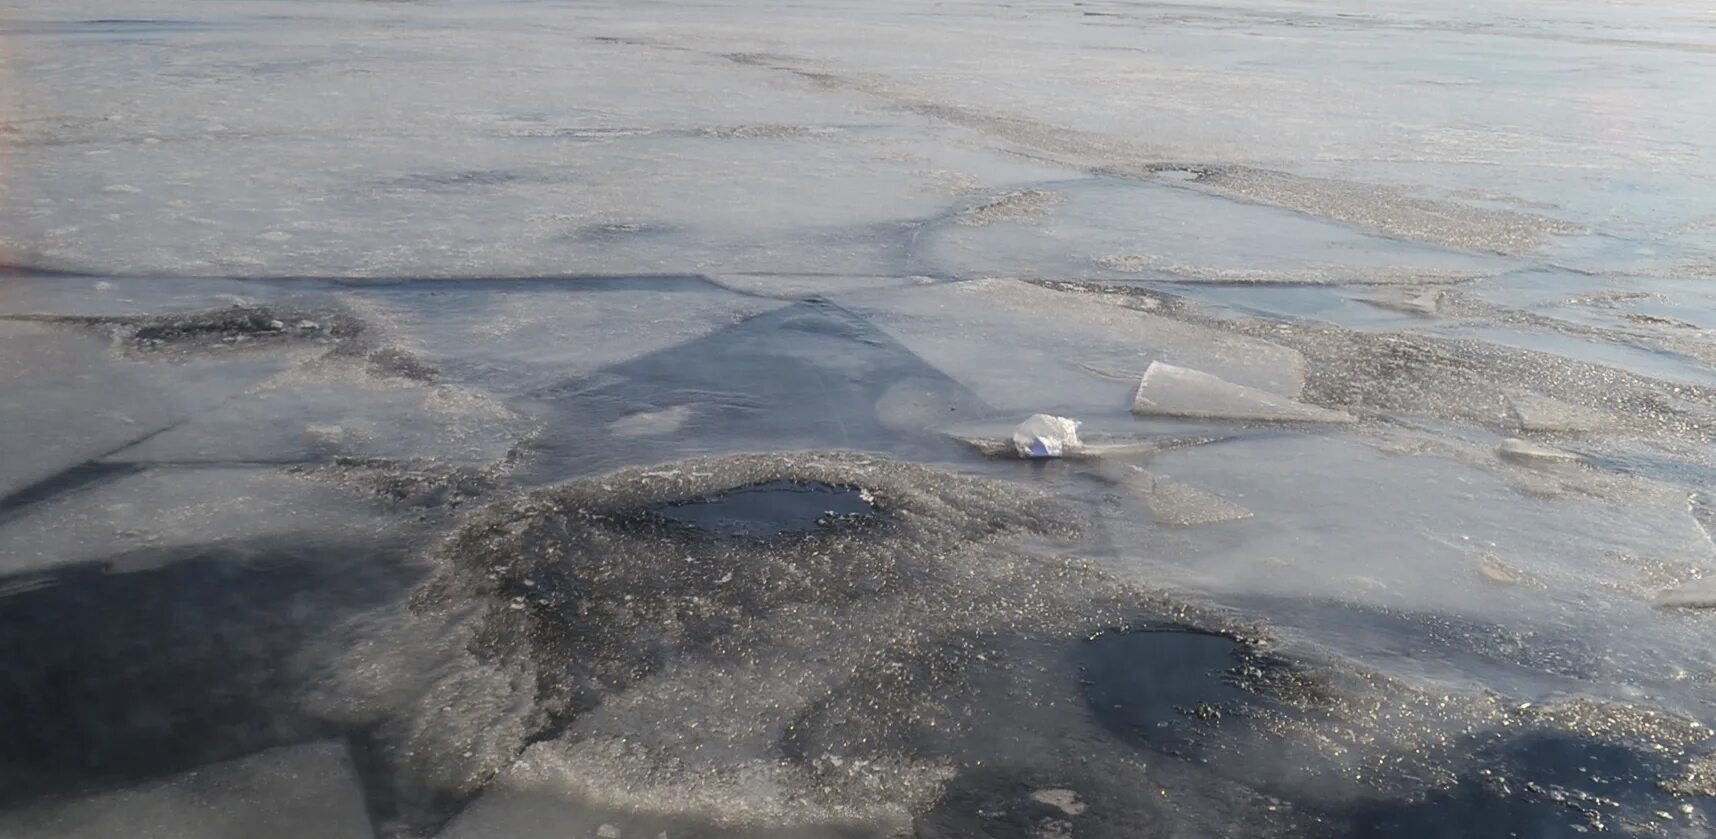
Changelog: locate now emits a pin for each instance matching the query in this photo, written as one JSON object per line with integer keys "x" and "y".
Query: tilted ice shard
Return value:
{"x": 1514, "y": 448}
{"x": 1167, "y": 390}
{"x": 1532, "y": 412}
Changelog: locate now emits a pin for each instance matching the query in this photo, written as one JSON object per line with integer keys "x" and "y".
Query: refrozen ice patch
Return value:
{"x": 235, "y": 327}
{"x": 620, "y": 618}
{"x": 282, "y": 793}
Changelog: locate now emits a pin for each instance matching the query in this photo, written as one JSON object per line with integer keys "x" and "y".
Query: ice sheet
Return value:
{"x": 285, "y": 792}
{"x": 542, "y": 242}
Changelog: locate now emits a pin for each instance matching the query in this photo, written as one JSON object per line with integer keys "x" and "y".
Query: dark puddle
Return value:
{"x": 1550, "y": 774}
{"x": 163, "y": 660}
{"x": 775, "y": 508}
{"x": 1163, "y": 686}
{"x": 806, "y": 376}
{"x": 1543, "y": 785}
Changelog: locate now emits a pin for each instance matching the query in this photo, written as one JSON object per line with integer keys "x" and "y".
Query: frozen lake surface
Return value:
{"x": 546, "y": 419}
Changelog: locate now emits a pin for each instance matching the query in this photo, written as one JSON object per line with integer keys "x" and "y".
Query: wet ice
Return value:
{"x": 537, "y": 244}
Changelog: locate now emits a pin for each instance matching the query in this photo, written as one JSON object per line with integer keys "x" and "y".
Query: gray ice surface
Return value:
{"x": 297, "y": 297}
{"x": 291, "y": 791}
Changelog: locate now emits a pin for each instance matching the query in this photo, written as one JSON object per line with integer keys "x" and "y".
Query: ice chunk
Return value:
{"x": 651, "y": 423}
{"x": 1513, "y": 448}
{"x": 284, "y": 793}
{"x": 1064, "y": 800}
{"x": 1070, "y": 352}
{"x": 1695, "y": 595}
{"x": 1167, "y": 390}
{"x": 1492, "y": 570}
{"x": 1132, "y": 445}
{"x": 1427, "y": 304}
{"x": 986, "y": 446}
{"x": 1044, "y": 435}
{"x": 1541, "y": 413}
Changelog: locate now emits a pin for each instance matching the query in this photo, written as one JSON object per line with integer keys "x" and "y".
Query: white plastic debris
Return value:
{"x": 1045, "y": 436}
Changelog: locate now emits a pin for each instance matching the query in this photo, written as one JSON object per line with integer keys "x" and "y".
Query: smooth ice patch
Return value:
{"x": 284, "y": 793}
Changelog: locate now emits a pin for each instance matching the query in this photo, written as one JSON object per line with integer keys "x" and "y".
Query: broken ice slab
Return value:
{"x": 1635, "y": 357}
{"x": 511, "y": 336}
{"x": 1115, "y": 227}
{"x": 1525, "y": 451}
{"x": 1700, "y": 594}
{"x": 140, "y": 507}
{"x": 285, "y": 793}
{"x": 1067, "y": 352}
{"x": 1167, "y": 390}
{"x": 314, "y": 414}
{"x": 1426, "y": 304}
{"x": 1342, "y": 306}
{"x": 69, "y": 398}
